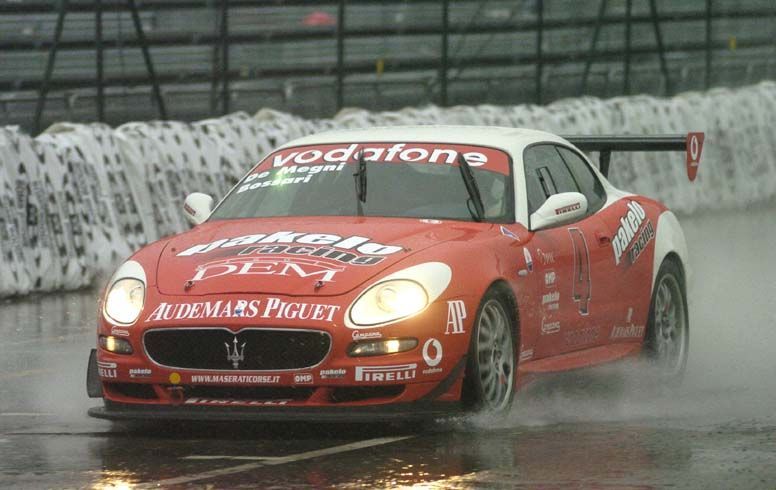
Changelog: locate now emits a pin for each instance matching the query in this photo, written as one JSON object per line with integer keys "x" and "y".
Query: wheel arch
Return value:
{"x": 505, "y": 291}
{"x": 670, "y": 244}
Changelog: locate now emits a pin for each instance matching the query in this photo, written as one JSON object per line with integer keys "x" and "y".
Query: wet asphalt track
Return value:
{"x": 602, "y": 430}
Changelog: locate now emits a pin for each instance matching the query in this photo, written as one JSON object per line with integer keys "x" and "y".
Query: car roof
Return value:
{"x": 512, "y": 140}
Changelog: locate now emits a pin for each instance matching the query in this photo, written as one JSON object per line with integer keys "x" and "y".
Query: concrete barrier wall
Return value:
{"x": 78, "y": 199}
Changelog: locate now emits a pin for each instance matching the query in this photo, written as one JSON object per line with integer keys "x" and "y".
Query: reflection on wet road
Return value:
{"x": 597, "y": 430}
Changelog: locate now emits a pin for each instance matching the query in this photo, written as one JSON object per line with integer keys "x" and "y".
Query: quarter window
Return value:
{"x": 545, "y": 174}
{"x": 588, "y": 182}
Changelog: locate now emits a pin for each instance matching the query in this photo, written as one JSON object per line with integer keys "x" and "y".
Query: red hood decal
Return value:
{"x": 295, "y": 256}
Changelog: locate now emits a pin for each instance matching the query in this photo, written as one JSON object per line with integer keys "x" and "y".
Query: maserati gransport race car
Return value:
{"x": 386, "y": 273}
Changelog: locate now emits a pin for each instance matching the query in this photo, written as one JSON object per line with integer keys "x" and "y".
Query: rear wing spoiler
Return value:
{"x": 691, "y": 144}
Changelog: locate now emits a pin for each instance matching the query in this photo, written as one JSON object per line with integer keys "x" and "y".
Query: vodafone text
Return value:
{"x": 392, "y": 153}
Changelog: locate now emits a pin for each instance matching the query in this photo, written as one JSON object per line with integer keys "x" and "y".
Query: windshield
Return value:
{"x": 403, "y": 180}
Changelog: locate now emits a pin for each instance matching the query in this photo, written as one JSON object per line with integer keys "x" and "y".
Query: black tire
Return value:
{"x": 489, "y": 384}
{"x": 667, "y": 339}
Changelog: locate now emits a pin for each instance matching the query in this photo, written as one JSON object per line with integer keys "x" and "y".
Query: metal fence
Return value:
{"x": 117, "y": 60}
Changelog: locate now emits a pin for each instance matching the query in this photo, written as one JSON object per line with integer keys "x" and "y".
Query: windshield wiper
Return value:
{"x": 471, "y": 187}
{"x": 360, "y": 178}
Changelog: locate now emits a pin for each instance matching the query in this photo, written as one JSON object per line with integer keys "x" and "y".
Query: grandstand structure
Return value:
{"x": 122, "y": 60}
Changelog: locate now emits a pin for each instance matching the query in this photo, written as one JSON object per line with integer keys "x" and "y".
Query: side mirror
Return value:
{"x": 558, "y": 209}
{"x": 197, "y": 207}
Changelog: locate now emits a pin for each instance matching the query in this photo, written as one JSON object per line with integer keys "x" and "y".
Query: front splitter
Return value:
{"x": 388, "y": 413}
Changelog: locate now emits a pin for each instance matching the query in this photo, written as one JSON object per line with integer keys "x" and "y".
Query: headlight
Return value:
{"x": 399, "y": 295}
{"x": 126, "y": 296}
{"x": 389, "y": 301}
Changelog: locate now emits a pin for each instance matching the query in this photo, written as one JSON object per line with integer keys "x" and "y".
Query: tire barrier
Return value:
{"x": 79, "y": 198}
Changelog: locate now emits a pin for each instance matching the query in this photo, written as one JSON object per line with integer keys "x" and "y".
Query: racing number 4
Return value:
{"x": 581, "y": 280}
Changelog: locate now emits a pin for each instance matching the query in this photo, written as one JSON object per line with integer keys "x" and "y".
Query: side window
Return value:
{"x": 545, "y": 174}
{"x": 588, "y": 182}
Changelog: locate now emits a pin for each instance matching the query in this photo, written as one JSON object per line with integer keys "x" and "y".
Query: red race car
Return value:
{"x": 388, "y": 273}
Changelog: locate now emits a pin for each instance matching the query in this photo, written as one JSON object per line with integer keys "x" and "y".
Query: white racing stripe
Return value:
{"x": 267, "y": 461}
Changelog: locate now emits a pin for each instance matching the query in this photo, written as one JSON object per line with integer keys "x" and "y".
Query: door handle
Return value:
{"x": 603, "y": 239}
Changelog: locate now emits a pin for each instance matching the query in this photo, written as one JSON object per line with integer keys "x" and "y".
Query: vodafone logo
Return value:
{"x": 432, "y": 346}
{"x": 694, "y": 145}
{"x": 389, "y": 153}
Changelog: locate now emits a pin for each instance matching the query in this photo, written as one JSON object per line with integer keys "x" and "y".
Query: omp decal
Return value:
{"x": 303, "y": 379}
{"x": 456, "y": 314}
{"x": 401, "y": 372}
{"x": 362, "y": 245}
{"x": 268, "y": 266}
{"x": 633, "y": 234}
{"x": 270, "y": 308}
{"x": 581, "y": 281}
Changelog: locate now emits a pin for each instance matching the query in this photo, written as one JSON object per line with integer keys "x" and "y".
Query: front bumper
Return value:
{"x": 372, "y": 414}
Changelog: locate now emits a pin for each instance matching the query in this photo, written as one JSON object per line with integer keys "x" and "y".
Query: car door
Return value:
{"x": 567, "y": 260}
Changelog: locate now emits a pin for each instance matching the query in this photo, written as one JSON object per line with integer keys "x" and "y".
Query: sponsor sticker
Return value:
{"x": 268, "y": 266}
{"x": 107, "y": 369}
{"x": 632, "y": 236}
{"x": 270, "y": 308}
{"x": 399, "y": 372}
{"x": 303, "y": 379}
{"x": 550, "y": 327}
{"x": 357, "y": 335}
{"x": 456, "y": 314}
{"x": 231, "y": 402}
{"x": 546, "y": 258}
{"x": 549, "y": 278}
{"x": 550, "y": 297}
{"x": 627, "y": 332}
{"x": 252, "y": 379}
{"x": 583, "y": 336}
{"x": 353, "y": 244}
{"x": 526, "y": 355}
{"x": 332, "y": 373}
{"x": 119, "y": 332}
{"x": 140, "y": 373}
{"x": 567, "y": 209}
{"x": 432, "y": 352}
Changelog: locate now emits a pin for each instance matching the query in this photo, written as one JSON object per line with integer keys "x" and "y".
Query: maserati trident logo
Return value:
{"x": 235, "y": 356}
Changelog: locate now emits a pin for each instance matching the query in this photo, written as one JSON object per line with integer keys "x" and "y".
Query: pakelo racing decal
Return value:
{"x": 633, "y": 235}
{"x": 356, "y": 250}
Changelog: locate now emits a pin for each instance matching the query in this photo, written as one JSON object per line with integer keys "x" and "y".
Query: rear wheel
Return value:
{"x": 668, "y": 335}
{"x": 490, "y": 378}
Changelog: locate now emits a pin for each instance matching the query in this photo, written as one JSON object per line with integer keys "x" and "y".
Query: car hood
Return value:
{"x": 324, "y": 256}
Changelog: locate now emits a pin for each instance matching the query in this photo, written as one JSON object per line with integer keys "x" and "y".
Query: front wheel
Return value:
{"x": 491, "y": 369}
{"x": 668, "y": 333}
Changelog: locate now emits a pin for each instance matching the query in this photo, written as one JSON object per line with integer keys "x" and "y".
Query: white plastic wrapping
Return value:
{"x": 78, "y": 199}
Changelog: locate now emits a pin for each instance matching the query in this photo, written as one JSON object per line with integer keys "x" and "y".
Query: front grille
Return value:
{"x": 215, "y": 349}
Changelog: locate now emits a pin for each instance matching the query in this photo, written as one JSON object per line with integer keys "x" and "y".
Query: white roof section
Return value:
{"x": 512, "y": 140}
